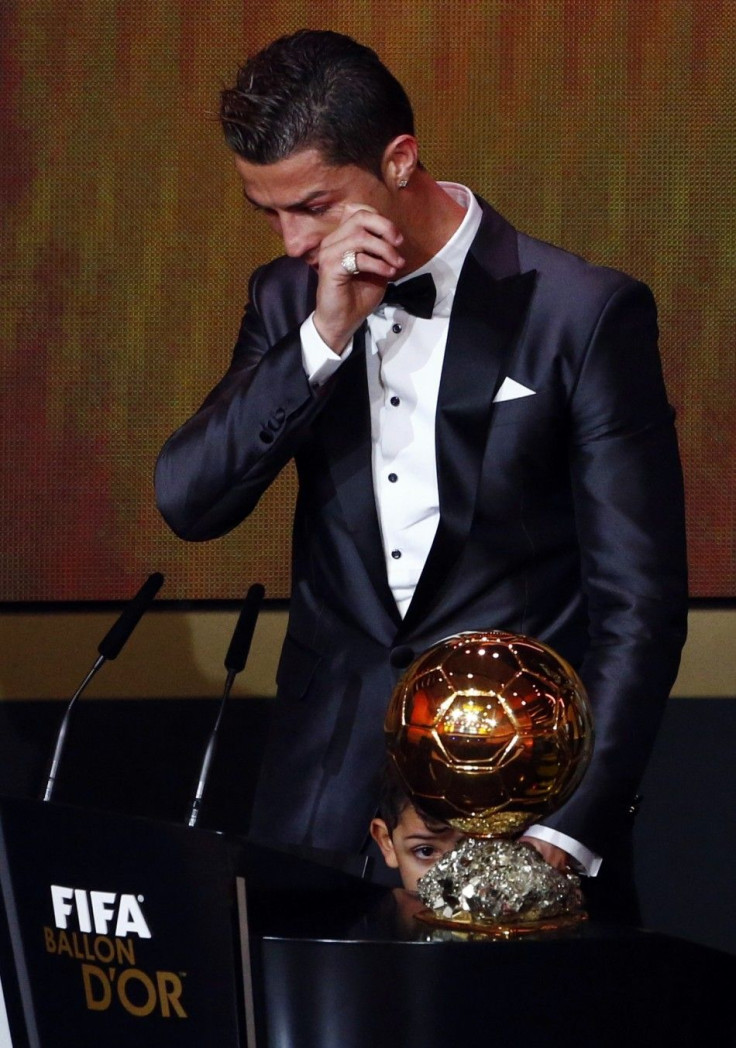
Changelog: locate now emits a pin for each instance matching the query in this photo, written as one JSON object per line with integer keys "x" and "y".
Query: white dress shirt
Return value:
{"x": 404, "y": 357}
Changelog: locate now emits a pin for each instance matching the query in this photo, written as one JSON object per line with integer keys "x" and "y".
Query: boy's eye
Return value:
{"x": 425, "y": 851}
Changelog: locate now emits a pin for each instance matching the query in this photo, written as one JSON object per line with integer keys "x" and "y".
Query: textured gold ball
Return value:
{"x": 489, "y": 731}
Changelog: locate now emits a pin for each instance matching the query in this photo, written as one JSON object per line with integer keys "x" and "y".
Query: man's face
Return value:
{"x": 415, "y": 845}
{"x": 304, "y": 198}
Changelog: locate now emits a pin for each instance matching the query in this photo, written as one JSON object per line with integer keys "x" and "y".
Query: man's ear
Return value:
{"x": 399, "y": 161}
{"x": 380, "y": 834}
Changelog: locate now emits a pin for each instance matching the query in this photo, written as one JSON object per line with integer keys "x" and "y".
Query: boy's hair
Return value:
{"x": 315, "y": 89}
{"x": 393, "y": 798}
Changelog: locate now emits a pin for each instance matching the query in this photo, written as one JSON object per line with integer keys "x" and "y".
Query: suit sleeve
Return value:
{"x": 629, "y": 509}
{"x": 212, "y": 471}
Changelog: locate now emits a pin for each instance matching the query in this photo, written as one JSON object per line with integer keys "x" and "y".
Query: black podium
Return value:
{"x": 117, "y": 931}
{"x": 120, "y": 932}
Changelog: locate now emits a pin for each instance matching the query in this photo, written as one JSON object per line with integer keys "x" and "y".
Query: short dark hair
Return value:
{"x": 393, "y": 798}
{"x": 315, "y": 89}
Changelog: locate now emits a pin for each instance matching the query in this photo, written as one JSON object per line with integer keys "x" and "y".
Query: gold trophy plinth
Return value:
{"x": 489, "y": 732}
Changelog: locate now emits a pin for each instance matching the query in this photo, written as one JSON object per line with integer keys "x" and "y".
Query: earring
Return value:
{"x": 403, "y": 183}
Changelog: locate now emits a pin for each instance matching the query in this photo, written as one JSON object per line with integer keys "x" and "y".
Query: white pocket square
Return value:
{"x": 512, "y": 390}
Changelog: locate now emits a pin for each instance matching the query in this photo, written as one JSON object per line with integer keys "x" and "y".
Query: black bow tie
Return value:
{"x": 416, "y": 295}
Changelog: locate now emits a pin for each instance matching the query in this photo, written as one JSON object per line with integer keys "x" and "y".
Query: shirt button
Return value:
{"x": 396, "y": 553}
{"x": 395, "y": 402}
{"x": 393, "y": 478}
{"x": 396, "y": 328}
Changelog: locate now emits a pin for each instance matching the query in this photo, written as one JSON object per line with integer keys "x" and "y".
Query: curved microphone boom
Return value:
{"x": 109, "y": 648}
{"x": 235, "y": 660}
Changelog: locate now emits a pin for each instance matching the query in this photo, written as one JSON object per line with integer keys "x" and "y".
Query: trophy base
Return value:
{"x": 484, "y": 929}
{"x": 499, "y": 888}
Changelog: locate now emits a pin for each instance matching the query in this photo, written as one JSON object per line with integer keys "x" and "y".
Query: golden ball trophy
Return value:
{"x": 491, "y": 731}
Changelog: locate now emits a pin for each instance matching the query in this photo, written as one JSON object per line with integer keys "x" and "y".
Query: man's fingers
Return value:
{"x": 367, "y": 241}
{"x": 360, "y": 218}
{"x": 555, "y": 856}
{"x": 373, "y": 265}
{"x": 367, "y": 250}
{"x": 364, "y": 214}
{"x": 368, "y": 237}
{"x": 367, "y": 247}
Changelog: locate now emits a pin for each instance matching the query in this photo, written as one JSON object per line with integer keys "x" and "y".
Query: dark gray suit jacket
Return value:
{"x": 561, "y": 516}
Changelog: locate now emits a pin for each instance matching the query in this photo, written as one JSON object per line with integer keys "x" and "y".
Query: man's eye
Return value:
{"x": 319, "y": 209}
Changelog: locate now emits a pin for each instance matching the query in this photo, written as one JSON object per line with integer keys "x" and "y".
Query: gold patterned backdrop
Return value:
{"x": 606, "y": 127}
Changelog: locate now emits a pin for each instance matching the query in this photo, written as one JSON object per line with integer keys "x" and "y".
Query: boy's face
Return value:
{"x": 415, "y": 845}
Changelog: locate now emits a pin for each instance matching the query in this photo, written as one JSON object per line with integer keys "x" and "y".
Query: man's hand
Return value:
{"x": 555, "y": 856}
{"x": 344, "y": 301}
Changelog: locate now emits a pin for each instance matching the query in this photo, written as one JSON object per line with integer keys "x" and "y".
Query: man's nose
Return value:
{"x": 296, "y": 237}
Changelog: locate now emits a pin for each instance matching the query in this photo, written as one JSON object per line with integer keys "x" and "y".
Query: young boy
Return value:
{"x": 410, "y": 841}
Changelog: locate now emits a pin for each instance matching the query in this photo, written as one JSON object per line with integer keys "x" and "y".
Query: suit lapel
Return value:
{"x": 486, "y": 320}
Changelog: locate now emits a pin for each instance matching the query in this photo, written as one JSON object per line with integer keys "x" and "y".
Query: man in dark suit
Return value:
{"x": 489, "y": 446}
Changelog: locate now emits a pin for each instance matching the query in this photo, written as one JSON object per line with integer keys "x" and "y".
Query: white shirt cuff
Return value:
{"x": 586, "y": 861}
{"x": 319, "y": 362}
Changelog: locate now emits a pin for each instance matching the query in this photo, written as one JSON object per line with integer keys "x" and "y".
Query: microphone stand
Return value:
{"x": 235, "y": 660}
{"x": 109, "y": 648}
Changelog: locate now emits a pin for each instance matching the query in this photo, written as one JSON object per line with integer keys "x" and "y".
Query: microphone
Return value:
{"x": 235, "y": 660}
{"x": 112, "y": 643}
{"x": 239, "y": 650}
{"x": 109, "y": 648}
